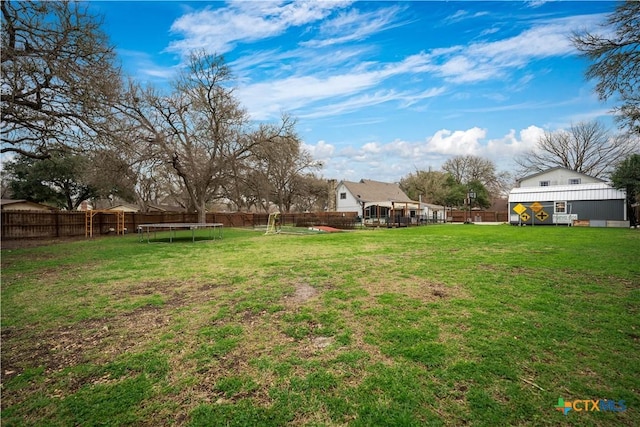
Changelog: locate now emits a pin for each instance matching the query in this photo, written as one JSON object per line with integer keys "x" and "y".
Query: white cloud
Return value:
{"x": 461, "y": 15}
{"x": 219, "y": 30}
{"x": 146, "y": 69}
{"x": 587, "y": 116}
{"x": 277, "y": 64}
{"x": 461, "y": 69}
{"x": 531, "y": 135}
{"x": 353, "y": 25}
{"x": 511, "y": 145}
{"x": 371, "y": 148}
{"x": 460, "y": 142}
{"x": 314, "y": 79}
{"x": 487, "y": 60}
{"x": 538, "y": 42}
{"x": 366, "y": 100}
{"x": 343, "y": 88}
{"x": 401, "y": 148}
{"x": 313, "y": 82}
{"x": 321, "y": 151}
{"x": 489, "y": 31}
{"x": 266, "y": 99}
{"x": 536, "y": 3}
{"x": 395, "y": 159}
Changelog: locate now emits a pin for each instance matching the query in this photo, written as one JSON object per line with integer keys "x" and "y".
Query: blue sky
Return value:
{"x": 382, "y": 89}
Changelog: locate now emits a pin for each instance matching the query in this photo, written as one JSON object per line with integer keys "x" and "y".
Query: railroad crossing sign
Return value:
{"x": 536, "y": 207}
{"x": 525, "y": 216}
{"x": 519, "y": 209}
{"x": 542, "y": 215}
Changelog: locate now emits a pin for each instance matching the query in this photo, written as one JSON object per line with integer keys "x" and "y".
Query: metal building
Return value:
{"x": 562, "y": 196}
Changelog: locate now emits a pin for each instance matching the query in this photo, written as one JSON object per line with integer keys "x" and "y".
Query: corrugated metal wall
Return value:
{"x": 585, "y": 210}
{"x": 599, "y": 209}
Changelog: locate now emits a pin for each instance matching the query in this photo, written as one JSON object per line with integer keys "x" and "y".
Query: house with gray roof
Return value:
{"x": 382, "y": 203}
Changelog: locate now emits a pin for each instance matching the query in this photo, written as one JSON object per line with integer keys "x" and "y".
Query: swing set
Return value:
{"x": 88, "y": 221}
{"x": 274, "y": 226}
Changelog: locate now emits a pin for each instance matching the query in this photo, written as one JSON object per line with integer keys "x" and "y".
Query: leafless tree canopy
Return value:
{"x": 199, "y": 130}
{"x": 313, "y": 193}
{"x": 61, "y": 93}
{"x": 58, "y": 76}
{"x": 616, "y": 61}
{"x": 470, "y": 168}
{"x": 277, "y": 170}
{"x": 586, "y": 147}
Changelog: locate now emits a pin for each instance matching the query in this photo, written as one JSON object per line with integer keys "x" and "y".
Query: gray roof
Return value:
{"x": 593, "y": 191}
{"x": 9, "y": 202}
{"x": 375, "y": 191}
{"x": 553, "y": 169}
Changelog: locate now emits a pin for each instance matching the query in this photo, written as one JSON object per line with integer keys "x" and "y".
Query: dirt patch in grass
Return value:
{"x": 302, "y": 294}
{"x": 173, "y": 293}
{"x": 419, "y": 289}
{"x": 99, "y": 341}
{"x": 93, "y": 341}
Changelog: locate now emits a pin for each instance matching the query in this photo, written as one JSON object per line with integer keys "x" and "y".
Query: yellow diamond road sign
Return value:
{"x": 536, "y": 207}
{"x": 542, "y": 216}
{"x": 525, "y": 217}
{"x": 519, "y": 208}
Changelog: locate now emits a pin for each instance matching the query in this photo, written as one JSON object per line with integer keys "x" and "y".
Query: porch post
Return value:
{"x": 393, "y": 214}
{"x": 407, "y": 214}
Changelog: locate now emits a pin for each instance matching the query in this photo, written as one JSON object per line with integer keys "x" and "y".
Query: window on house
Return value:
{"x": 544, "y": 183}
{"x": 574, "y": 181}
{"x": 560, "y": 207}
{"x": 343, "y": 196}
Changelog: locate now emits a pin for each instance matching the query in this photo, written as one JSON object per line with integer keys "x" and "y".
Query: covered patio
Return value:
{"x": 391, "y": 214}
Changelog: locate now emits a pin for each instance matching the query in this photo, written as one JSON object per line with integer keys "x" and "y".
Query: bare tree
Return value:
{"x": 58, "y": 76}
{"x": 313, "y": 194}
{"x": 277, "y": 166}
{"x": 587, "y": 147}
{"x": 193, "y": 130}
{"x": 471, "y": 168}
{"x": 153, "y": 184}
{"x": 468, "y": 169}
{"x": 111, "y": 175}
{"x": 503, "y": 184}
{"x": 137, "y": 177}
{"x": 200, "y": 130}
{"x": 244, "y": 190}
{"x": 616, "y": 61}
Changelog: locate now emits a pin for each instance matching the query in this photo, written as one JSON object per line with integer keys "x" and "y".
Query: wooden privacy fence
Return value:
{"x": 40, "y": 224}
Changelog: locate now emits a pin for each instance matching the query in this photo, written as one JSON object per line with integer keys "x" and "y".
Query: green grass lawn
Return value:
{"x": 437, "y": 325}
